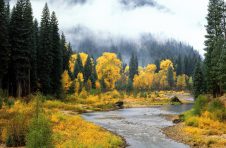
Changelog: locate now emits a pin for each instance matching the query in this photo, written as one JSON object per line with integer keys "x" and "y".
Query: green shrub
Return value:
{"x": 84, "y": 94}
{"x": 216, "y": 107}
{"x": 113, "y": 94}
{"x": 143, "y": 95}
{"x": 135, "y": 94}
{"x": 187, "y": 115}
{"x": 9, "y": 141}
{"x": 10, "y": 102}
{"x": 95, "y": 92}
{"x": 192, "y": 121}
{"x": 17, "y": 130}
{"x": 40, "y": 134}
{"x": 200, "y": 104}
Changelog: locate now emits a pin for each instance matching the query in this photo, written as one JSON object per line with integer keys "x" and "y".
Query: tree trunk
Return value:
{"x": 19, "y": 89}
{"x": 0, "y": 83}
{"x": 29, "y": 81}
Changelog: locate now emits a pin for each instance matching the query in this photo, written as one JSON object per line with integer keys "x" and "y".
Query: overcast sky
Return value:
{"x": 183, "y": 20}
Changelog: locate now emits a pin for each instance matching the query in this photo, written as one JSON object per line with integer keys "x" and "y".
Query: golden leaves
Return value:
{"x": 108, "y": 69}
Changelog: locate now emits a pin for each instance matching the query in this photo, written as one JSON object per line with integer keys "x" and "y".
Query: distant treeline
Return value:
{"x": 147, "y": 48}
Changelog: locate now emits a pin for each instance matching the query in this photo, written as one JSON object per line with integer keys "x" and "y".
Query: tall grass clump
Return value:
{"x": 200, "y": 105}
{"x": 217, "y": 110}
{"x": 40, "y": 132}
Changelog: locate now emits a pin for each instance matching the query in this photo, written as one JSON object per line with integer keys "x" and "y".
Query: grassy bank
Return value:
{"x": 203, "y": 126}
{"x": 106, "y": 101}
{"x": 67, "y": 130}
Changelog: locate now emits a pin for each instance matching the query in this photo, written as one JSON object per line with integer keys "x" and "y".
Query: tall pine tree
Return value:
{"x": 20, "y": 40}
{"x": 214, "y": 44}
{"x": 34, "y": 51}
{"x": 78, "y": 66}
{"x": 87, "y": 73}
{"x": 4, "y": 43}
{"x": 222, "y": 68}
{"x": 170, "y": 77}
{"x": 198, "y": 81}
{"x": 28, "y": 45}
{"x": 67, "y": 52}
{"x": 133, "y": 67}
{"x": 57, "y": 67}
{"x": 44, "y": 53}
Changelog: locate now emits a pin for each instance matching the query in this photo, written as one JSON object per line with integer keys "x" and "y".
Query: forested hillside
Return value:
{"x": 147, "y": 48}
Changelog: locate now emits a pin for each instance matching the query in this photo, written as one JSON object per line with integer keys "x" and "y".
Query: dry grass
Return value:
{"x": 73, "y": 131}
{"x": 205, "y": 128}
{"x": 69, "y": 130}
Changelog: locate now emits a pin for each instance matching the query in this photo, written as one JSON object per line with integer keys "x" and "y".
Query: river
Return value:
{"x": 141, "y": 127}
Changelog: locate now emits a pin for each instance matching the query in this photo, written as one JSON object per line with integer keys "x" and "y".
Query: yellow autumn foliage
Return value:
{"x": 206, "y": 131}
{"x": 162, "y": 75}
{"x": 108, "y": 68}
{"x": 66, "y": 81}
{"x": 145, "y": 79}
{"x": 165, "y": 64}
{"x": 73, "y": 59}
{"x": 71, "y": 131}
{"x": 151, "y": 68}
{"x": 181, "y": 81}
{"x": 98, "y": 86}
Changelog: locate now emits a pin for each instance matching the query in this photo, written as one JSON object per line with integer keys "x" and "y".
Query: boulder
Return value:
{"x": 175, "y": 99}
{"x": 176, "y": 121}
{"x": 119, "y": 104}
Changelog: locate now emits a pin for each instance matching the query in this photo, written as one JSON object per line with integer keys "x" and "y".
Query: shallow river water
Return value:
{"x": 141, "y": 127}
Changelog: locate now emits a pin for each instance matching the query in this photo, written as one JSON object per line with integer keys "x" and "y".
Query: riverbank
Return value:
{"x": 194, "y": 137}
{"x": 107, "y": 101}
{"x": 205, "y": 130}
{"x": 141, "y": 127}
{"x": 66, "y": 115}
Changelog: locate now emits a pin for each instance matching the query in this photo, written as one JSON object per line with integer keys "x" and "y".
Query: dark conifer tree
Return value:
{"x": 67, "y": 52}
{"x": 28, "y": 45}
{"x": 87, "y": 69}
{"x": 44, "y": 53}
{"x": 222, "y": 69}
{"x": 34, "y": 50}
{"x": 170, "y": 77}
{"x": 186, "y": 66}
{"x": 4, "y": 43}
{"x": 214, "y": 44}
{"x": 133, "y": 67}
{"x": 157, "y": 63}
{"x": 93, "y": 77}
{"x": 7, "y": 13}
{"x": 180, "y": 66}
{"x": 78, "y": 66}
{"x": 21, "y": 43}
{"x": 198, "y": 81}
{"x": 57, "y": 66}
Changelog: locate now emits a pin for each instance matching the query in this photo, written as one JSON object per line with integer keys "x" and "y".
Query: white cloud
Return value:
{"x": 184, "y": 22}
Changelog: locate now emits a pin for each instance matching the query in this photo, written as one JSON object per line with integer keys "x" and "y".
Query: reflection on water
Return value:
{"x": 141, "y": 127}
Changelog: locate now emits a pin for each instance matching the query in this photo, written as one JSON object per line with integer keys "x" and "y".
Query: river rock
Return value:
{"x": 176, "y": 121}
{"x": 175, "y": 99}
{"x": 119, "y": 104}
